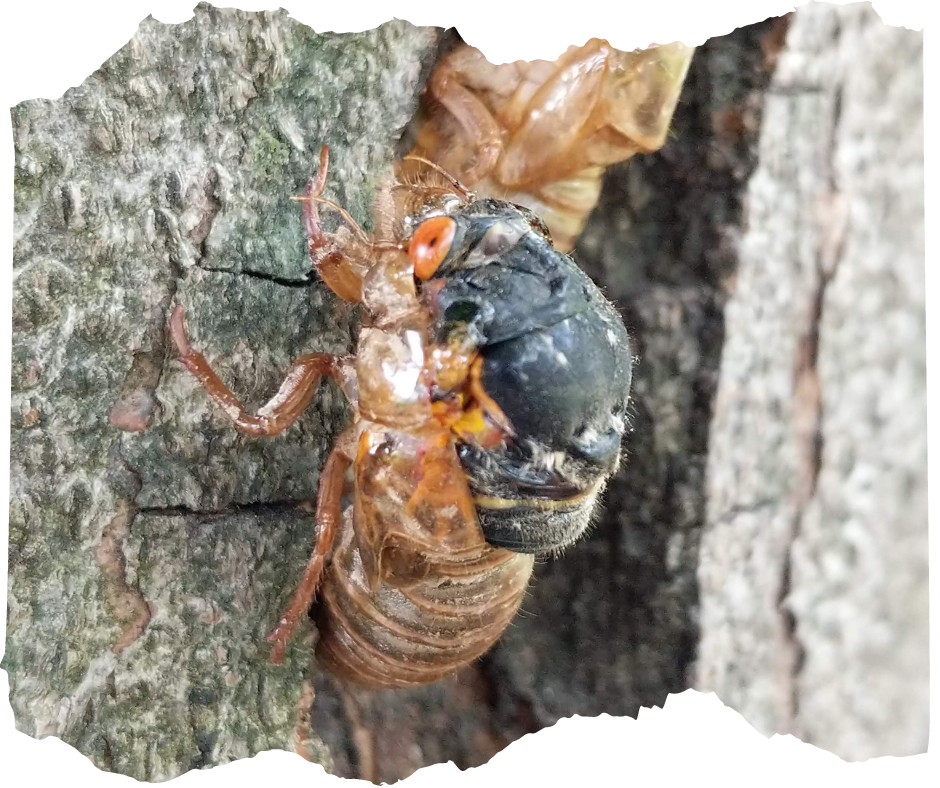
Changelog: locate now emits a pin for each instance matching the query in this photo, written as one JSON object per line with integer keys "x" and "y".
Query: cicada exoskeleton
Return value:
{"x": 542, "y": 133}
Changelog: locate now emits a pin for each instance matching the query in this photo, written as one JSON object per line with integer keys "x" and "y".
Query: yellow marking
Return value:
{"x": 488, "y": 502}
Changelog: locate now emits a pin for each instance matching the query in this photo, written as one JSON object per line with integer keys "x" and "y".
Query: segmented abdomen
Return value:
{"x": 404, "y": 637}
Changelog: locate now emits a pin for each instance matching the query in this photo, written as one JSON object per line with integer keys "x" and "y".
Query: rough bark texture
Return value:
{"x": 166, "y": 177}
{"x": 814, "y": 558}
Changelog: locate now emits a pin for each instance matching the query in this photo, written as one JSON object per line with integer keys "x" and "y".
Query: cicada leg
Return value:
{"x": 476, "y": 121}
{"x": 328, "y": 517}
{"x": 341, "y": 259}
{"x": 284, "y": 408}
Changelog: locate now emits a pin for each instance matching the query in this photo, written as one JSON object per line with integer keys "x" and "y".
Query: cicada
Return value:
{"x": 488, "y": 395}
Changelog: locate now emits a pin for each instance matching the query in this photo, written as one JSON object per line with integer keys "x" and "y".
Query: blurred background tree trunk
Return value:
{"x": 813, "y": 569}
{"x": 146, "y": 567}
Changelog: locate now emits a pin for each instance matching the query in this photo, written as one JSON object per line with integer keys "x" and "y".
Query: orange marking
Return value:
{"x": 474, "y": 427}
{"x": 441, "y": 483}
{"x": 486, "y": 401}
{"x": 430, "y": 245}
{"x": 468, "y": 411}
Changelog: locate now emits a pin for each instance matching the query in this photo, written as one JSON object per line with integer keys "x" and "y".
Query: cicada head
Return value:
{"x": 550, "y": 375}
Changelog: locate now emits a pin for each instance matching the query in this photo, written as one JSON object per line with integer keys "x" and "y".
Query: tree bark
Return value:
{"x": 147, "y": 566}
{"x": 813, "y": 568}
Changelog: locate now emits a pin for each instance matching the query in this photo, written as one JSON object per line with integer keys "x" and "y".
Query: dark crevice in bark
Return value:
{"x": 306, "y": 282}
{"x": 259, "y": 507}
{"x": 106, "y": 757}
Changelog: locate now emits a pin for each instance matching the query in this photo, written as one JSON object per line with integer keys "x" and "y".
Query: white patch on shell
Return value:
{"x": 548, "y": 460}
{"x": 403, "y": 377}
{"x": 290, "y": 383}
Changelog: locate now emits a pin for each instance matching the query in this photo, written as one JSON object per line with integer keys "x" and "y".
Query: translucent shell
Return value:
{"x": 540, "y": 134}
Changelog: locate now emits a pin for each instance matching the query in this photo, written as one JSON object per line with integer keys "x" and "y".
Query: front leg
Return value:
{"x": 284, "y": 408}
{"x": 343, "y": 258}
{"x": 478, "y": 126}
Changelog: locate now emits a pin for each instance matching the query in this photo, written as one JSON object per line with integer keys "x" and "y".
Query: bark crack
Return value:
{"x": 831, "y": 218}
{"x": 256, "y": 506}
{"x": 137, "y": 404}
{"x": 200, "y": 233}
{"x": 283, "y": 281}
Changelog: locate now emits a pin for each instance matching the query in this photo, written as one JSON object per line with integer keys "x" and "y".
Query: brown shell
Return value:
{"x": 412, "y": 591}
{"x": 541, "y": 134}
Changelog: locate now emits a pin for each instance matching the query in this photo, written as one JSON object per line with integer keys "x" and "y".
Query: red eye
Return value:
{"x": 430, "y": 244}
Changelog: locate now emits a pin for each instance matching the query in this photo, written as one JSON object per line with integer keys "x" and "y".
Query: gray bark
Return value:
{"x": 166, "y": 177}
{"x": 814, "y": 557}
